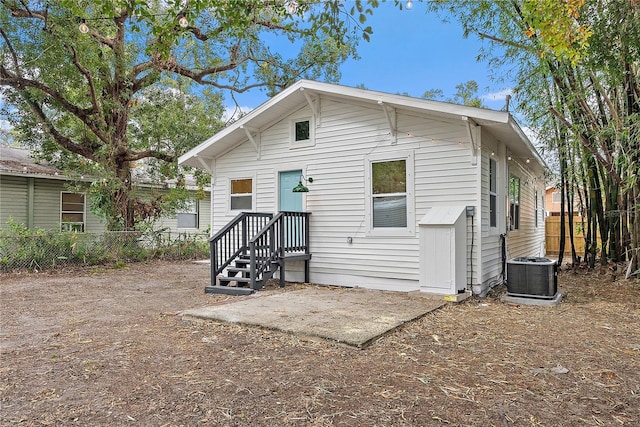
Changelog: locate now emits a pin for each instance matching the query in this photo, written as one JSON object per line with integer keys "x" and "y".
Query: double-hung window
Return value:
{"x": 514, "y": 202}
{"x": 241, "y": 194}
{"x": 390, "y": 195}
{"x": 188, "y": 216}
{"x": 493, "y": 193}
{"x": 72, "y": 211}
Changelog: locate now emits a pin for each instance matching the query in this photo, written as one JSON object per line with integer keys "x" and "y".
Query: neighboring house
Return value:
{"x": 36, "y": 195}
{"x": 407, "y": 194}
{"x": 552, "y": 202}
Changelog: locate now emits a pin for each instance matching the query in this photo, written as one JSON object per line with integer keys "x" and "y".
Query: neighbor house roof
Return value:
{"x": 18, "y": 161}
{"x": 499, "y": 123}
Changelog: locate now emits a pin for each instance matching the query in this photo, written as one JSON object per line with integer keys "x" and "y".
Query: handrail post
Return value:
{"x": 306, "y": 232}
{"x": 214, "y": 262}
{"x": 252, "y": 264}
{"x": 245, "y": 233}
{"x": 281, "y": 248}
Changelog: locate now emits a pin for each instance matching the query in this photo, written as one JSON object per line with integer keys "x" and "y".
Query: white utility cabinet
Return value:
{"x": 443, "y": 250}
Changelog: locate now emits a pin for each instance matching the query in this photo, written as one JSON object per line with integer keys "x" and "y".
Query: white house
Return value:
{"x": 403, "y": 193}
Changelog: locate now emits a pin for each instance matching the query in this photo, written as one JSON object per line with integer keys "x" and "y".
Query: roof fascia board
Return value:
{"x": 524, "y": 138}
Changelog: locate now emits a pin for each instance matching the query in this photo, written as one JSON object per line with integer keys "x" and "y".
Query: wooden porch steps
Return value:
{"x": 240, "y": 275}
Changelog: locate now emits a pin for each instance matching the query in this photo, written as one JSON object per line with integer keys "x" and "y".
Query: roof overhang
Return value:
{"x": 499, "y": 123}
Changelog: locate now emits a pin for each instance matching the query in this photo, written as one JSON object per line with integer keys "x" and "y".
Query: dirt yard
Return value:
{"x": 105, "y": 347}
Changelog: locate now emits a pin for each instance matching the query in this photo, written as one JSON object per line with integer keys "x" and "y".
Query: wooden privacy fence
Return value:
{"x": 552, "y": 236}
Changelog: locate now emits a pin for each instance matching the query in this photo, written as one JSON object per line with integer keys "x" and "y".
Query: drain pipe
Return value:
{"x": 477, "y": 289}
{"x": 470, "y": 214}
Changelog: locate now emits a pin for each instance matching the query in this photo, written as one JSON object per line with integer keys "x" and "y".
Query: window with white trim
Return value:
{"x": 389, "y": 188}
{"x": 555, "y": 197}
{"x": 72, "y": 211}
{"x": 188, "y": 216}
{"x": 302, "y": 134}
{"x": 389, "y": 194}
{"x": 241, "y": 194}
{"x": 514, "y": 202}
{"x": 493, "y": 193}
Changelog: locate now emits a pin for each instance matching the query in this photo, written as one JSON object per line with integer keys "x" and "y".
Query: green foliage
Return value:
{"x": 37, "y": 249}
{"x": 558, "y": 28}
{"x": 138, "y": 89}
{"x": 466, "y": 94}
{"x": 575, "y": 64}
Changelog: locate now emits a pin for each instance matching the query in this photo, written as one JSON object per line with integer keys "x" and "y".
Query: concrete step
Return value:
{"x": 228, "y": 290}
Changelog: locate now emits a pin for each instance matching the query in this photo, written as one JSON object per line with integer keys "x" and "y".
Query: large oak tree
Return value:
{"x": 106, "y": 84}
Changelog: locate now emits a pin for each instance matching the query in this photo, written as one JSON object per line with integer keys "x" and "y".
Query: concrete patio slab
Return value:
{"x": 348, "y": 315}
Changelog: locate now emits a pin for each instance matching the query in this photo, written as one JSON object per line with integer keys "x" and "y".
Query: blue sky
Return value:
{"x": 411, "y": 52}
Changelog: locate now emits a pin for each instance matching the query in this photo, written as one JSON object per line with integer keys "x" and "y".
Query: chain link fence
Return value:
{"x": 42, "y": 250}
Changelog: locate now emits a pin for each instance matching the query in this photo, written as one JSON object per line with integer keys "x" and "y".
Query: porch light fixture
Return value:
{"x": 300, "y": 188}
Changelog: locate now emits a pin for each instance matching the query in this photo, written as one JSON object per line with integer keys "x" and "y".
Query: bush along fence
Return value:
{"x": 40, "y": 249}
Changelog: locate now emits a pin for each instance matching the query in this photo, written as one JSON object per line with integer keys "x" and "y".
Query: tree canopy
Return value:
{"x": 104, "y": 85}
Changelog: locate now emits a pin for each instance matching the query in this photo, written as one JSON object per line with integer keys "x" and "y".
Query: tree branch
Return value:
{"x": 132, "y": 157}
{"x": 173, "y": 66}
{"x": 63, "y": 141}
{"x": 14, "y": 55}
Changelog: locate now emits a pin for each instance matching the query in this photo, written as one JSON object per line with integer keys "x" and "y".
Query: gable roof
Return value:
{"x": 499, "y": 123}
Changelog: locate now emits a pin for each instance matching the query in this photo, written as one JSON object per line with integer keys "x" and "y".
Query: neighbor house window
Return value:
{"x": 555, "y": 197}
{"x": 188, "y": 215}
{"x": 72, "y": 212}
{"x": 241, "y": 194}
{"x": 389, "y": 194}
{"x": 514, "y": 202}
{"x": 493, "y": 193}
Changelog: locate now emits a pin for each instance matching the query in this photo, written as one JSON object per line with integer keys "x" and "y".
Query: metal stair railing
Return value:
{"x": 233, "y": 239}
{"x": 287, "y": 233}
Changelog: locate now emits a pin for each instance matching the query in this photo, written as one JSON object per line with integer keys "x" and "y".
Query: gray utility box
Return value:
{"x": 532, "y": 277}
